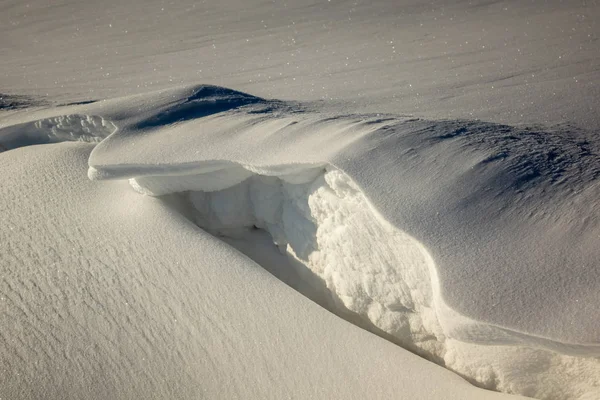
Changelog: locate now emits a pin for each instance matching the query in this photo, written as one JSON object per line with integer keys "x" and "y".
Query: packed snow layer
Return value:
{"x": 108, "y": 294}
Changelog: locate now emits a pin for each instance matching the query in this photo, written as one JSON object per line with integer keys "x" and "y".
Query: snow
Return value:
{"x": 83, "y": 128}
{"x": 377, "y": 269}
{"x": 480, "y": 194}
{"x": 109, "y": 294}
{"x": 413, "y": 279}
{"x": 511, "y": 61}
{"x": 372, "y": 270}
{"x": 427, "y": 172}
{"x": 233, "y": 164}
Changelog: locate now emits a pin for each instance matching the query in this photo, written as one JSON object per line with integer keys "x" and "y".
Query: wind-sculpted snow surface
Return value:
{"x": 473, "y": 244}
{"x": 106, "y": 294}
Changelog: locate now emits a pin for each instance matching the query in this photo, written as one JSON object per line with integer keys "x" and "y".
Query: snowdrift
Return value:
{"x": 106, "y": 294}
{"x": 472, "y": 244}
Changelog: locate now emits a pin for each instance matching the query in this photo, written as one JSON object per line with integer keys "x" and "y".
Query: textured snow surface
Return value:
{"x": 395, "y": 224}
{"x": 373, "y": 187}
{"x": 63, "y": 128}
{"x": 511, "y": 61}
{"x": 432, "y": 216}
{"x": 109, "y": 294}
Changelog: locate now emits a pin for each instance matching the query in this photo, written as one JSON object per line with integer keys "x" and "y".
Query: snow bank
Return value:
{"x": 447, "y": 237}
{"x": 373, "y": 274}
{"x": 489, "y": 202}
{"x": 106, "y": 294}
{"x": 405, "y": 222}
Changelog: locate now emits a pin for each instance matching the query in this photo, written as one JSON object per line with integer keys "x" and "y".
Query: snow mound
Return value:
{"x": 106, "y": 294}
{"x": 448, "y": 237}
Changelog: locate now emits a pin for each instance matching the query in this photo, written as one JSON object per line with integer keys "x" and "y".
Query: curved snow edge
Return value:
{"x": 317, "y": 215}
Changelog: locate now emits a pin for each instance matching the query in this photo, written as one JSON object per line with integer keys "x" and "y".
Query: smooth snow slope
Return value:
{"x": 512, "y": 61}
{"x": 109, "y": 294}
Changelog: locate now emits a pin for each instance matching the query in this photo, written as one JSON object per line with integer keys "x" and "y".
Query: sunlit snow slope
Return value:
{"x": 469, "y": 243}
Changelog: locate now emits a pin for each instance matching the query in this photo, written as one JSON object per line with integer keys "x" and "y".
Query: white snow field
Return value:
{"x": 428, "y": 175}
{"x": 512, "y": 61}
